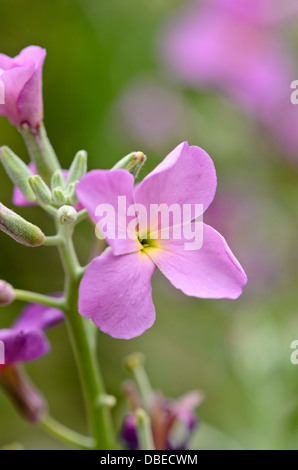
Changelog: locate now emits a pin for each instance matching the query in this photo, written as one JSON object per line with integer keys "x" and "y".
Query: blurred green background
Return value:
{"x": 105, "y": 90}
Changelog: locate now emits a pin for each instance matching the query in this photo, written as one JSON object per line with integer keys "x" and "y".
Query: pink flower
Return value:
{"x": 151, "y": 115}
{"x": 234, "y": 46}
{"x": 26, "y": 340}
{"x": 22, "y": 80}
{"x": 262, "y": 11}
{"x": 115, "y": 291}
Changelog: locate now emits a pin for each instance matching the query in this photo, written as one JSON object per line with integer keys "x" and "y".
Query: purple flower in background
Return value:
{"x": 22, "y": 80}
{"x": 172, "y": 421}
{"x": 115, "y": 291}
{"x": 151, "y": 115}
{"x": 24, "y": 342}
{"x": 235, "y": 47}
{"x": 262, "y": 11}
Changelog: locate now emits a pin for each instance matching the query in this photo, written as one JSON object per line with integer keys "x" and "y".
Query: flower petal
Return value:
{"x": 116, "y": 294}
{"x": 186, "y": 176}
{"x": 103, "y": 188}
{"x": 20, "y": 346}
{"x": 14, "y": 80}
{"x": 209, "y": 272}
{"x": 30, "y": 104}
{"x": 36, "y": 316}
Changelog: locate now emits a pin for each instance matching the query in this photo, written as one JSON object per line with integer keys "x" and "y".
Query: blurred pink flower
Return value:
{"x": 173, "y": 422}
{"x": 264, "y": 251}
{"x": 22, "y": 80}
{"x": 262, "y": 11}
{"x": 235, "y": 47}
{"x": 25, "y": 341}
{"x": 151, "y": 115}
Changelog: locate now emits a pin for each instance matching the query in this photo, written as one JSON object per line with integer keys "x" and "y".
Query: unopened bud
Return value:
{"x": 6, "y": 293}
{"x": 41, "y": 190}
{"x": 57, "y": 180}
{"x": 107, "y": 401}
{"x": 17, "y": 171}
{"x": 20, "y": 229}
{"x": 78, "y": 167}
{"x": 67, "y": 215}
{"x": 72, "y": 195}
{"x": 59, "y": 196}
{"x": 133, "y": 162}
{"x": 133, "y": 361}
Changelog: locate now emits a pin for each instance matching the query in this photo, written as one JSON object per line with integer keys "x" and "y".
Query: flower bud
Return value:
{"x": 58, "y": 196}
{"x": 57, "y": 180}
{"x": 17, "y": 171}
{"x": 67, "y": 215}
{"x": 41, "y": 190}
{"x": 72, "y": 195}
{"x": 133, "y": 162}
{"x": 78, "y": 167}
{"x": 22, "y": 79}
{"x": 133, "y": 361}
{"x": 106, "y": 401}
{"x": 20, "y": 229}
{"x": 6, "y": 293}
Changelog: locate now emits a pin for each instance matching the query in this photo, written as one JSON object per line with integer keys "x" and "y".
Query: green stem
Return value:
{"x": 34, "y": 297}
{"x": 41, "y": 151}
{"x": 93, "y": 388}
{"x": 144, "y": 430}
{"x": 64, "y": 434}
{"x": 135, "y": 364}
{"x": 144, "y": 386}
{"x": 50, "y": 209}
{"x": 53, "y": 240}
{"x": 82, "y": 215}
